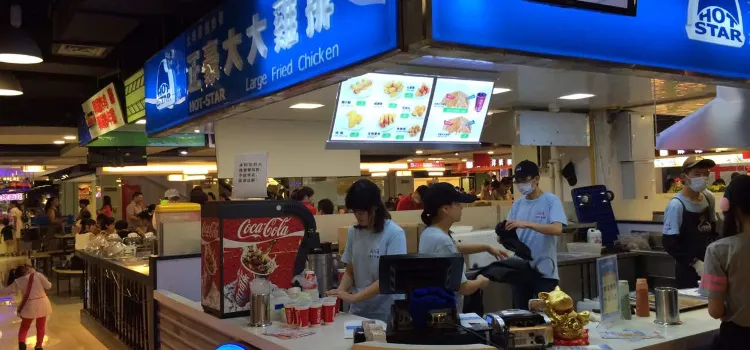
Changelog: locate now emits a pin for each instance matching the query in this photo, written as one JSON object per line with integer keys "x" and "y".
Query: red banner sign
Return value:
{"x": 426, "y": 165}
{"x": 103, "y": 112}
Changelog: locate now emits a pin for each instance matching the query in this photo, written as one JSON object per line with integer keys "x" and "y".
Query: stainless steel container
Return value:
{"x": 667, "y": 304}
{"x": 325, "y": 270}
{"x": 260, "y": 310}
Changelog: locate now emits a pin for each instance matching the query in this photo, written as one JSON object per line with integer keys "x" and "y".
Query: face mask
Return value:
{"x": 698, "y": 184}
{"x": 525, "y": 188}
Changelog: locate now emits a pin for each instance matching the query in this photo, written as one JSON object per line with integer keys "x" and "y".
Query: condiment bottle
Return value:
{"x": 623, "y": 290}
{"x": 641, "y": 298}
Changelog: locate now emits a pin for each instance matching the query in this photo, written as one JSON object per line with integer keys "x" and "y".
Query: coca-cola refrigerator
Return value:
{"x": 242, "y": 240}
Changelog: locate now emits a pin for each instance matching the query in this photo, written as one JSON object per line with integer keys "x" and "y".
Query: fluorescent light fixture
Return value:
{"x": 490, "y": 152}
{"x": 161, "y": 168}
{"x": 379, "y": 174}
{"x": 464, "y": 159}
{"x": 118, "y": 181}
{"x": 499, "y": 90}
{"x": 141, "y": 121}
{"x": 59, "y": 142}
{"x": 403, "y": 173}
{"x": 680, "y": 151}
{"x": 435, "y": 173}
{"x": 410, "y": 160}
{"x": 436, "y": 159}
{"x": 382, "y": 166}
{"x": 182, "y": 177}
{"x": 33, "y": 169}
{"x": 195, "y": 171}
{"x": 663, "y": 153}
{"x": 419, "y": 151}
{"x": 576, "y": 96}
{"x": 306, "y": 106}
{"x": 197, "y": 131}
{"x": 69, "y": 137}
{"x": 183, "y": 153}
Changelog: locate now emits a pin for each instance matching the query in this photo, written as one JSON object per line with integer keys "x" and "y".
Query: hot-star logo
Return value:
{"x": 716, "y": 22}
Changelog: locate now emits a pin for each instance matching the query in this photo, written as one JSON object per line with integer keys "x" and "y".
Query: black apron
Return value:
{"x": 697, "y": 231}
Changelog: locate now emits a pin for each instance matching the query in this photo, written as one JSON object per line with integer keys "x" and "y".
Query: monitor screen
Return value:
{"x": 623, "y": 7}
{"x": 458, "y": 110}
{"x": 382, "y": 108}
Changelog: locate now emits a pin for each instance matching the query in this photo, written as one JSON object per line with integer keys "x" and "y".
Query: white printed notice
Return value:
{"x": 250, "y": 175}
{"x": 459, "y": 108}
{"x": 382, "y": 108}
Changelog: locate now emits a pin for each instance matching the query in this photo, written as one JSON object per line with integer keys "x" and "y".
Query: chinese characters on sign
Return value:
{"x": 250, "y": 174}
{"x": 102, "y": 112}
{"x": 247, "y": 49}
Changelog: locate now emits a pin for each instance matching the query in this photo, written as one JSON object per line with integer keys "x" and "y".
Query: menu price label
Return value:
{"x": 382, "y": 108}
{"x": 458, "y": 111}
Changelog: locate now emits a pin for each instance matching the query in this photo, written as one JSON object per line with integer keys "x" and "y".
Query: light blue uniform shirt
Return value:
{"x": 363, "y": 251}
{"x": 673, "y": 213}
{"x": 433, "y": 240}
{"x": 545, "y": 209}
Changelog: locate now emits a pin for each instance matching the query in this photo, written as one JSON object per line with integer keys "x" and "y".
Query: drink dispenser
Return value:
{"x": 321, "y": 261}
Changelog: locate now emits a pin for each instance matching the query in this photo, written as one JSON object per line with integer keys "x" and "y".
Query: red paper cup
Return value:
{"x": 302, "y": 314}
{"x": 329, "y": 310}
{"x": 291, "y": 317}
{"x": 316, "y": 313}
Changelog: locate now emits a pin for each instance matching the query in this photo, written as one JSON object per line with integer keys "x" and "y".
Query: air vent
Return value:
{"x": 87, "y": 51}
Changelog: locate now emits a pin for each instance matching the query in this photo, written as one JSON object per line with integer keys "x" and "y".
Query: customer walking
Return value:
{"x": 34, "y": 306}
{"x": 374, "y": 235}
{"x": 726, "y": 275}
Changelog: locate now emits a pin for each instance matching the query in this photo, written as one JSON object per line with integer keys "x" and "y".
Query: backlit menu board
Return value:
{"x": 382, "y": 108}
{"x": 459, "y": 108}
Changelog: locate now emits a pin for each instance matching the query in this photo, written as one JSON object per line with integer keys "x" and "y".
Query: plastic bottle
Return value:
{"x": 623, "y": 291}
{"x": 641, "y": 298}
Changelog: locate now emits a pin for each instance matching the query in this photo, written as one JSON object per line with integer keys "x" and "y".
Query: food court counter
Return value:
{"x": 182, "y": 324}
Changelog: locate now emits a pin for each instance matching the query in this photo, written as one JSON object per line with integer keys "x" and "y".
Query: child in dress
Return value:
{"x": 34, "y": 306}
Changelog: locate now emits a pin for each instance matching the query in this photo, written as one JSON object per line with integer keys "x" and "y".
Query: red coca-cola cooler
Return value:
{"x": 241, "y": 240}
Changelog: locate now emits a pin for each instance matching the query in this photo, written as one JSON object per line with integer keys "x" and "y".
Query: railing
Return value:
{"x": 120, "y": 300}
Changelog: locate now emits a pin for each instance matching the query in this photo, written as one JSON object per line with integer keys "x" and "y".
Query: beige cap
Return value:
{"x": 697, "y": 161}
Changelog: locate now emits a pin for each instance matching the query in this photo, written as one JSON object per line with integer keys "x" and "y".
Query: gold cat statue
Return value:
{"x": 567, "y": 324}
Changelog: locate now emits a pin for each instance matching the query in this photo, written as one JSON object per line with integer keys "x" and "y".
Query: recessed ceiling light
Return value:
{"x": 410, "y": 160}
{"x": 419, "y": 151}
{"x": 456, "y": 153}
{"x": 59, "y": 142}
{"x": 141, "y": 122}
{"x": 498, "y": 90}
{"x": 306, "y": 106}
{"x": 464, "y": 160}
{"x": 69, "y": 137}
{"x": 576, "y": 96}
{"x": 490, "y": 152}
{"x": 197, "y": 131}
{"x": 184, "y": 153}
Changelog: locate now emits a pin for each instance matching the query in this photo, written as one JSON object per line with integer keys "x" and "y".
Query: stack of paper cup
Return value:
{"x": 302, "y": 314}
{"x": 316, "y": 307}
{"x": 290, "y": 313}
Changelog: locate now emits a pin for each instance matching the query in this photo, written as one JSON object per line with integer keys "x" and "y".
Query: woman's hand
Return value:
{"x": 496, "y": 252}
{"x": 343, "y": 295}
{"x": 516, "y": 224}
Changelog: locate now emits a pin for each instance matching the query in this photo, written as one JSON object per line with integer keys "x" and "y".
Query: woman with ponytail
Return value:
{"x": 442, "y": 209}
{"x": 374, "y": 235}
{"x": 726, "y": 275}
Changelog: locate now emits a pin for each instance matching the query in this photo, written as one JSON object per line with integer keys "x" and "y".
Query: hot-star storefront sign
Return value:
{"x": 702, "y": 36}
{"x": 249, "y": 49}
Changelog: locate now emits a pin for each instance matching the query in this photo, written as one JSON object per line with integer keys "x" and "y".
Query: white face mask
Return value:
{"x": 698, "y": 184}
{"x": 525, "y": 188}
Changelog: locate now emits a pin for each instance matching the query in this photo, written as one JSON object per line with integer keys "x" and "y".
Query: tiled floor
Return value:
{"x": 64, "y": 329}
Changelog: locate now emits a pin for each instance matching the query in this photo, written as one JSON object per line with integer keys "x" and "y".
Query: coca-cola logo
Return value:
{"x": 210, "y": 230}
{"x": 273, "y": 228}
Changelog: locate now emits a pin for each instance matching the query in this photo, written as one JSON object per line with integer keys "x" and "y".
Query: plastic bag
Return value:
{"x": 635, "y": 240}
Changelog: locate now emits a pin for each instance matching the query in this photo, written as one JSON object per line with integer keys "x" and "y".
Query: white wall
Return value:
{"x": 295, "y": 148}
{"x": 154, "y": 186}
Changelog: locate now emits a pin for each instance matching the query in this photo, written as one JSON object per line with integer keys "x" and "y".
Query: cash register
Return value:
{"x": 403, "y": 274}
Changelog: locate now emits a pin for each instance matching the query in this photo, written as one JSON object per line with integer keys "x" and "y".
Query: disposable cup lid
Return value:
{"x": 302, "y": 306}
{"x": 316, "y": 304}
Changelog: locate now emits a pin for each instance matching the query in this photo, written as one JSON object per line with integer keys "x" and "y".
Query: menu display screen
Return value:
{"x": 382, "y": 108}
{"x": 458, "y": 110}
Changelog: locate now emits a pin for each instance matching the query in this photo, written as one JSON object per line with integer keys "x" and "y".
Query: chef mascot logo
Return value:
{"x": 716, "y": 21}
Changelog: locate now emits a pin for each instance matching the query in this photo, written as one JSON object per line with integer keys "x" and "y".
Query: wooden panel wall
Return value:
{"x": 177, "y": 332}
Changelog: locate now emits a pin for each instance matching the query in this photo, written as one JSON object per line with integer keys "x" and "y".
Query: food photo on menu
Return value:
{"x": 382, "y": 108}
{"x": 459, "y": 109}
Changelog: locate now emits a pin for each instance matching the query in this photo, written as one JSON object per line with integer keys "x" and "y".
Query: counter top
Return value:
{"x": 329, "y": 337}
{"x": 567, "y": 259}
{"x": 139, "y": 266}
{"x": 696, "y": 331}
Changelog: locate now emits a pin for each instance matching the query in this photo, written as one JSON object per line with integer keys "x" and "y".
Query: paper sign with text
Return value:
{"x": 250, "y": 174}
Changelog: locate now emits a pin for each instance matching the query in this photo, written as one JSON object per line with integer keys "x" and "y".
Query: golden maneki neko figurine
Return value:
{"x": 568, "y": 326}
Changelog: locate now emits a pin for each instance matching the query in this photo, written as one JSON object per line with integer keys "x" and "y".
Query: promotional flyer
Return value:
{"x": 382, "y": 108}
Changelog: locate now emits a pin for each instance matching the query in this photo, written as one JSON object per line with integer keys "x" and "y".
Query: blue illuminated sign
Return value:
{"x": 231, "y": 346}
{"x": 248, "y": 49}
{"x": 166, "y": 87}
{"x": 703, "y": 36}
